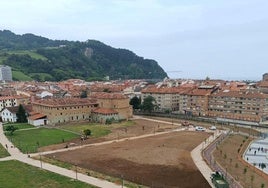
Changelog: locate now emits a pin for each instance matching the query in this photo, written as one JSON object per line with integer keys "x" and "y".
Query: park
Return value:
{"x": 161, "y": 158}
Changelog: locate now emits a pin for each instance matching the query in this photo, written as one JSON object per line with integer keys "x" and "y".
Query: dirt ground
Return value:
{"x": 227, "y": 156}
{"x": 140, "y": 127}
{"x": 158, "y": 161}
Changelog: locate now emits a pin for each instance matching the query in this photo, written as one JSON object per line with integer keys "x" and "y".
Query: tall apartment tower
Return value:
{"x": 265, "y": 77}
{"x": 5, "y": 73}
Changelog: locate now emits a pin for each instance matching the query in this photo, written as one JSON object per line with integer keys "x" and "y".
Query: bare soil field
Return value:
{"x": 140, "y": 127}
{"x": 228, "y": 157}
{"x": 157, "y": 161}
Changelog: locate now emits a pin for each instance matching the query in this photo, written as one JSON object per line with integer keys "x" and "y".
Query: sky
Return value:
{"x": 221, "y": 39}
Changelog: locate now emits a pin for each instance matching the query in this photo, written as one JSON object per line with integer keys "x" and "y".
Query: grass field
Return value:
{"x": 97, "y": 130}
{"x": 17, "y": 75}
{"x": 17, "y": 174}
{"x": 20, "y": 125}
{"x": 30, "y": 140}
{"x": 33, "y": 54}
{"x": 3, "y": 152}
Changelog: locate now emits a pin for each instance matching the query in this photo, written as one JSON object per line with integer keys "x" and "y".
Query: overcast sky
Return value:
{"x": 225, "y": 39}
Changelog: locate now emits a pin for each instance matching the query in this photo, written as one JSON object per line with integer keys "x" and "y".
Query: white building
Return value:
{"x": 9, "y": 114}
{"x": 5, "y": 73}
{"x": 37, "y": 119}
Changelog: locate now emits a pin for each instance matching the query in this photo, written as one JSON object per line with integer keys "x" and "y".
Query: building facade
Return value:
{"x": 63, "y": 110}
{"x": 115, "y": 101}
{"x": 249, "y": 106}
{"x": 5, "y": 73}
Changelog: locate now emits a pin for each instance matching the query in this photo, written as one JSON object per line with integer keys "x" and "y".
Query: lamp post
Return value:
{"x": 76, "y": 172}
{"x": 40, "y": 160}
{"x": 122, "y": 181}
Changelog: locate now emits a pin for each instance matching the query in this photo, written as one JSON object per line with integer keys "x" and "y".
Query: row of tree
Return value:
{"x": 147, "y": 105}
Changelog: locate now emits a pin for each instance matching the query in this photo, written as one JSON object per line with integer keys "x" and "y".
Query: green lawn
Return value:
{"x": 3, "y": 152}
{"x": 97, "y": 130}
{"x": 17, "y": 174}
{"x": 20, "y": 125}
{"x": 29, "y": 140}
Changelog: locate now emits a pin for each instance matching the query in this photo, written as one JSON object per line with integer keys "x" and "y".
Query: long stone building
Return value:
{"x": 65, "y": 110}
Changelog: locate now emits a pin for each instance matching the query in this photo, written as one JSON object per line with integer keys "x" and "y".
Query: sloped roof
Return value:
{"x": 37, "y": 116}
{"x": 104, "y": 111}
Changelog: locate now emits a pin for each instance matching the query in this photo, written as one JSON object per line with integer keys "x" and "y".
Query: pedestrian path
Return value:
{"x": 197, "y": 157}
{"x": 17, "y": 155}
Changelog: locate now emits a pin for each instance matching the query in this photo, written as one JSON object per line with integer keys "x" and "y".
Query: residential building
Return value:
{"x": 8, "y": 114}
{"x": 198, "y": 100}
{"x": 11, "y": 101}
{"x": 5, "y": 73}
{"x": 265, "y": 77}
{"x": 63, "y": 110}
{"x": 249, "y": 106}
{"x": 166, "y": 98}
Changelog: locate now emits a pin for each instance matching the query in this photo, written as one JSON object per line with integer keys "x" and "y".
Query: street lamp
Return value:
{"x": 76, "y": 172}
{"x": 40, "y": 160}
{"x": 122, "y": 181}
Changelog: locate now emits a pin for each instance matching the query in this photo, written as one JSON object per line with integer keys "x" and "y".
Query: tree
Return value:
{"x": 87, "y": 132}
{"x": 11, "y": 129}
{"x": 83, "y": 94}
{"x": 21, "y": 115}
{"x": 148, "y": 104}
{"x": 135, "y": 102}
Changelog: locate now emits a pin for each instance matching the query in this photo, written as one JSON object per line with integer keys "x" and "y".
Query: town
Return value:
{"x": 219, "y": 124}
{"x": 73, "y": 100}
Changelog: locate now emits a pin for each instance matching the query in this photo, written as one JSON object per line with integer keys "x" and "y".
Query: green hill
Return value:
{"x": 43, "y": 59}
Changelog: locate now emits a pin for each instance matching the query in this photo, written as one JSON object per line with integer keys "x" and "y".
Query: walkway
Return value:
{"x": 208, "y": 156}
{"x": 17, "y": 155}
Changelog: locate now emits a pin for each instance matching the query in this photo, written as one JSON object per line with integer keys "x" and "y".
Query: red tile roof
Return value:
{"x": 60, "y": 102}
{"x": 103, "y": 95}
{"x": 104, "y": 111}
{"x": 37, "y": 116}
{"x": 245, "y": 94}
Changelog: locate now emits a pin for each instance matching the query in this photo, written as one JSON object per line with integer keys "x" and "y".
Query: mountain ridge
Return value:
{"x": 43, "y": 59}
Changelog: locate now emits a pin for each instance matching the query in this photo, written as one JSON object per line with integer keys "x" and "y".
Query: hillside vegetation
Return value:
{"x": 42, "y": 59}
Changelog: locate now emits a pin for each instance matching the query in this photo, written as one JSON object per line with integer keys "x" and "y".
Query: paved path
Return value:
{"x": 17, "y": 155}
{"x": 208, "y": 156}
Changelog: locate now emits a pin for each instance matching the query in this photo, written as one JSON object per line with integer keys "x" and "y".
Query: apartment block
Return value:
{"x": 5, "y": 73}
{"x": 197, "y": 100}
{"x": 239, "y": 105}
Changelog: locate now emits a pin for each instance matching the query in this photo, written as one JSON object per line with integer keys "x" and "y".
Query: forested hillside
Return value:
{"x": 43, "y": 59}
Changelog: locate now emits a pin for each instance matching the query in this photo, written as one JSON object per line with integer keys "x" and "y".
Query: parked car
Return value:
{"x": 198, "y": 128}
{"x": 186, "y": 123}
{"x": 212, "y": 127}
{"x": 218, "y": 180}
